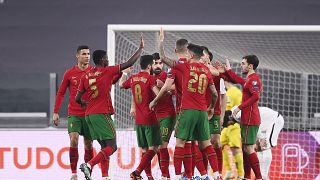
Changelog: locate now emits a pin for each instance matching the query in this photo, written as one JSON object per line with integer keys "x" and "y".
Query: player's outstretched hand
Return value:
{"x": 219, "y": 66}
{"x": 55, "y": 119}
{"x": 141, "y": 41}
{"x": 235, "y": 112}
{"x": 161, "y": 35}
{"x": 152, "y": 105}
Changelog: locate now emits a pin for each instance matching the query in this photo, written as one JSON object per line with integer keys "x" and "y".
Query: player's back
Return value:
{"x": 178, "y": 78}
{"x": 141, "y": 86}
{"x": 196, "y": 78}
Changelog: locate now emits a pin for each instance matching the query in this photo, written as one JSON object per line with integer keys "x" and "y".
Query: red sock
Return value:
{"x": 187, "y": 160}
{"x": 194, "y": 156}
{"x": 147, "y": 169}
{"x": 105, "y": 153}
{"x": 246, "y": 166}
{"x": 88, "y": 155}
{"x": 74, "y": 157}
{"x": 212, "y": 157}
{"x": 219, "y": 157}
{"x": 164, "y": 162}
{"x": 145, "y": 160}
{"x": 254, "y": 163}
{"x": 177, "y": 159}
{"x": 199, "y": 161}
{"x": 205, "y": 159}
{"x": 105, "y": 167}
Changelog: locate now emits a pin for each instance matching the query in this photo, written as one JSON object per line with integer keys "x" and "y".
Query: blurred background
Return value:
{"x": 39, "y": 37}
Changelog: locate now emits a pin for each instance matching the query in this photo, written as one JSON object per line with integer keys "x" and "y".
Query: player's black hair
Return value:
{"x": 252, "y": 59}
{"x": 97, "y": 56}
{"x": 196, "y": 49}
{"x": 227, "y": 118}
{"x": 146, "y": 60}
{"x": 156, "y": 56}
{"x": 181, "y": 45}
{"x": 210, "y": 53}
{"x": 82, "y": 47}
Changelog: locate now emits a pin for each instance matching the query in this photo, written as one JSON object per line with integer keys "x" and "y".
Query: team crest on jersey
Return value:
{"x": 75, "y": 82}
{"x": 254, "y": 83}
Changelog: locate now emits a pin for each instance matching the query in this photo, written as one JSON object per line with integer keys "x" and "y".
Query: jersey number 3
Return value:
{"x": 202, "y": 82}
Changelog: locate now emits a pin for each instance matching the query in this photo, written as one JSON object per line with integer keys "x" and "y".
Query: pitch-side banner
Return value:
{"x": 44, "y": 154}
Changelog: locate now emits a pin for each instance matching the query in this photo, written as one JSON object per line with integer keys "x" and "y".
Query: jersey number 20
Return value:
{"x": 202, "y": 82}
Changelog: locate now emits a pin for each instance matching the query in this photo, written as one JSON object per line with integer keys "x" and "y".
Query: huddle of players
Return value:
{"x": 196, "y": 86}
{"x": 196, "y": 83}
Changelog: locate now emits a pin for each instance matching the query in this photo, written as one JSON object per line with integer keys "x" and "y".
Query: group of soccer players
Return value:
{"x": 196, "y": 117}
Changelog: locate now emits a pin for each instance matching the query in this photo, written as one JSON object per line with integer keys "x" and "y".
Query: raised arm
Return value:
{"x": 134, "y": 57}
{"x": 124, "y": 76}
{"x": 164, "y": 59}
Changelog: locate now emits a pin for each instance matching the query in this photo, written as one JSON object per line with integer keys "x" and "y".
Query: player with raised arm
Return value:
{"x": 143, "y": 87}
{"x": 165, "y": 113}
{"x": 97, "y": 84}
{"x": 76, "y": 115}
{"x": 192, "y": 124}
{"x": 175, "y": 80}
{"x": 250, "y": 117}
{"x": 231, "y": 134}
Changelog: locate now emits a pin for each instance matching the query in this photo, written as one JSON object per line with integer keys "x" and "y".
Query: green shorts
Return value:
{"x": 78, "y": 124}
{"x": 193, "y": 125}
{"x": 249, "y": 134}
{"x": 166, "y": 127}
{"x": 148, "y": 135}
{"x": 101, "y": 126}
{"x": 214, "y": 124}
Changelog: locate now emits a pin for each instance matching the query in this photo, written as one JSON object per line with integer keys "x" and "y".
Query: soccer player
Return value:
{"x": 192, "y": 124}
{"x": 230, "y": 135}
{"x": 97, "y": 84}
{"x": 175, "y": 80}
{"x": 143, "y": 87}
{"x": 76, "y": 115}
{"x": 165, "y": 114}
{"x": 250, "y": 117}
{"x": 271, "y": 124}
{"x": 215, "y": 120}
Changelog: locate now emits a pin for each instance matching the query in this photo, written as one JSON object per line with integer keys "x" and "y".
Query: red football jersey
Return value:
{"x": 71, "y": 79}
{"x": 165, "y": 106}
{"x": 252, "y": 88}
{"x": 196, "y": 79}
{"x": 97, "y": 83}
{"x": 178, "y": 83}
{"x": 141, "y": 85}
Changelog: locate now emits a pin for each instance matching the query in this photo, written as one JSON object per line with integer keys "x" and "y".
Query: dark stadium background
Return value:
{"x": 40, "y": 36}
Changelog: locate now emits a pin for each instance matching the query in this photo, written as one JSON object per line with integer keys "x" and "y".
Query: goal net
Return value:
{"x": 289, "y": 67}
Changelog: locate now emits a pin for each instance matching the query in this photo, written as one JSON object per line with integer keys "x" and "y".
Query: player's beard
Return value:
{"x": 156, "y": 71}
